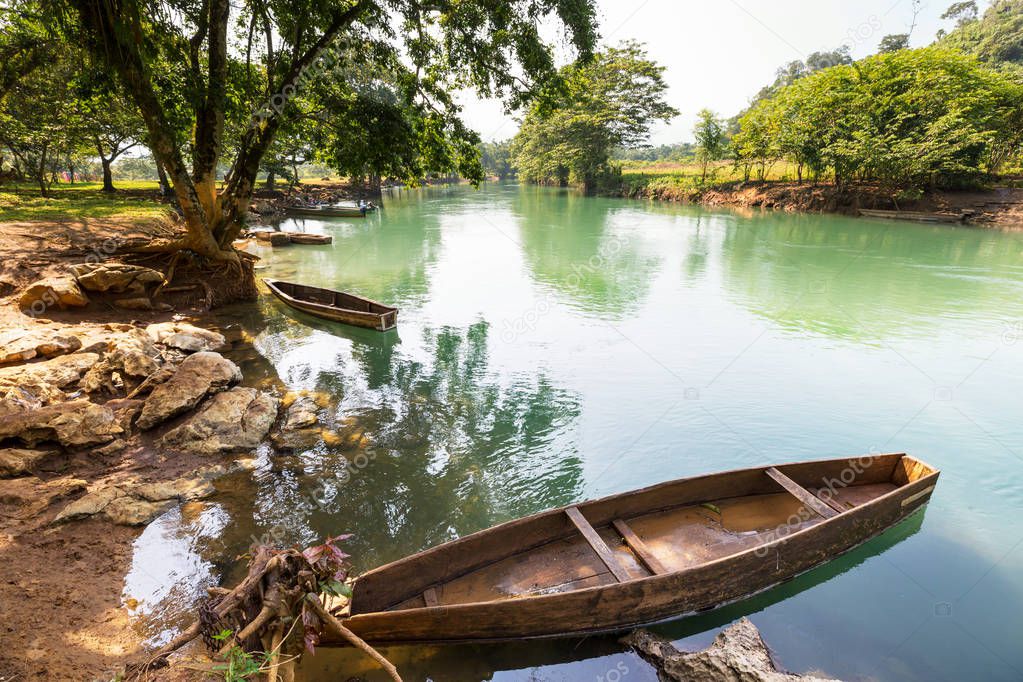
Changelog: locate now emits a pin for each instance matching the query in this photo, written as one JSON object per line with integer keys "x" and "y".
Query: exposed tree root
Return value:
{"x": 277, "y": 609}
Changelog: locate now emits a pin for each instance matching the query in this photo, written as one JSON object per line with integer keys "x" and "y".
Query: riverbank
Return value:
{"x": 116, "y": 405}
{"x": 1001, "y": 207}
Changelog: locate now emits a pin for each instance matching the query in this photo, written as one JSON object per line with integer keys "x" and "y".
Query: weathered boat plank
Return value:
{"x": 637, "y": 545}
{"x": 801, "y": 493}
{"x": 597, "y": 543}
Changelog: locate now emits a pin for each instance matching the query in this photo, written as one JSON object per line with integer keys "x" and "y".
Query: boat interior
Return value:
{"x": 334, "y": 299}
{"x": 657, "y": 530}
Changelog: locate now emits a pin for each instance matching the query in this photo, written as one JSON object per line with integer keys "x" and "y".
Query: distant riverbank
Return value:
{"x": 1002, "y": 207}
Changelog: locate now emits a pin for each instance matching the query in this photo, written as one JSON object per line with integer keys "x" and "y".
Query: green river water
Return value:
{"x": 553, "y": 348}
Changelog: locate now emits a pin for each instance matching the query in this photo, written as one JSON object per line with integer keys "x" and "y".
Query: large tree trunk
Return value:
{"x": 165, "y": 188}
{"x": 108, "y": 178}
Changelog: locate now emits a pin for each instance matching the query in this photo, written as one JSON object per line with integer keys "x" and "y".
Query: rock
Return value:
{"x": 301, "y": 414}
{"x": 90, "y": 504}
{"x": 196, "y": 377}
{"x": 131, "y": 353}
{"x": 185, "y": 337}
{"x": 111, "y": 448}
{"x": 19, "y": 462}
{"x": 300, "y": 430}
{"x": 19, "y": 345}
{"x": 131, "y": 511}
{"x": 60, "y": 371}
{"x": 117, "y": 278}
{"x": 232, "y": 421}
{"x": 72, "y": 424}
{"x": 52, "y": 292}
{"x": 738, "y": 654}
{"x": 185, "y": 489}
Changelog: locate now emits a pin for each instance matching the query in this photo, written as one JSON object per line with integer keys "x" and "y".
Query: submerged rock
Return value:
{"x": 115, "y": 278}
{"x": 72, "y": 424}
{"x": 232, "y": 421}
{"x": 185, "y": 337}
{"x": 300, "y": 430}
{"x": 738, "y": 654}
{"x": 53, "y": 292}
{"x": 197, "y": 376}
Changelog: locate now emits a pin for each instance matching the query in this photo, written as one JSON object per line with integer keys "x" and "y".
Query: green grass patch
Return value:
{"x": 79, "y": 204}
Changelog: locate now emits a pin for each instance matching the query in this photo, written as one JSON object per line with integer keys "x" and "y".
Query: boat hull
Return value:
{"x": 326, "y": 212}
{"x": 635, "y": 601}
{"x": 336, "y": 306}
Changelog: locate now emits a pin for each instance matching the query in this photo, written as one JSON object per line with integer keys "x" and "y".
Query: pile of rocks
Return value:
{"x": 164, "y": 386}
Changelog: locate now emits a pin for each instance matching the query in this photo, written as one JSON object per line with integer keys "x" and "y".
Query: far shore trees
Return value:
{"x": 608, "y": 103}
{"x": 711, "y": 141}
{"x": 215, "y": 82}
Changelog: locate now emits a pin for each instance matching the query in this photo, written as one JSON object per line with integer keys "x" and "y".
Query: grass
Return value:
{"x": 76, "y": 202}
{"x": 684, "y": 180}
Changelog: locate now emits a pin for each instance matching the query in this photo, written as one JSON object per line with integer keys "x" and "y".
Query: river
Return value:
{"x": 552, "y": 348}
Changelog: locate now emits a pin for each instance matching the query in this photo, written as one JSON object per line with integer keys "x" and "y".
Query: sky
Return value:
{"x": 719, "y": 53}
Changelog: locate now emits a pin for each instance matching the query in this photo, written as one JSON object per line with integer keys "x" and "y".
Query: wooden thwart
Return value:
{"x": 804, "y": 495}
{"x": 639, "y": 548}
{"x": 597, "y": 543}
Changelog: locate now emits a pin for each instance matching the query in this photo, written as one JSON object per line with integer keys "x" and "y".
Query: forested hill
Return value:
{"x": 996, "y": 37}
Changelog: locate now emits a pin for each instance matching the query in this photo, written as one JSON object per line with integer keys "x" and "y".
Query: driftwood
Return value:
{"x": 275, "y": 609}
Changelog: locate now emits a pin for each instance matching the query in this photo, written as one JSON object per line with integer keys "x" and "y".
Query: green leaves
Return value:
{"x": 910, "y": 118}
{"x": 608, "y": 102}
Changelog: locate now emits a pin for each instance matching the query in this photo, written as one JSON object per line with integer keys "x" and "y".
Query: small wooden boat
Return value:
{"x": 306, "y": 238}
{"x": 327, "y": 211}
{"x": 917, "y": 216}
{"x": 334, "y": 305}
{"x": 639, "y": 557}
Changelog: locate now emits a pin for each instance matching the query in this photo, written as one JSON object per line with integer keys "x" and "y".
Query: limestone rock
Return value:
{"x": 185, "y": 336}
{"x": 53, "y": 292}
{"x": 232, "y": 421}
{"x": 738, "y": 654}
{"x": 300, "y": 430}
{"x": 197, "y": 375}
{"x": 19, "y": 462}
{"x": 186, "y": 489}
{"x": 19, "y": 345}
{"x": 301, "y": 414}
{"x": 32, "y": 496}
{"x": 131, "y": 511}
{"x": 90, "y": 504}
{"x": 72, "y": 424}
{"x": 60, "y": 371}
{"x": 131, "y": 353}
{"x": 115, "y": 278}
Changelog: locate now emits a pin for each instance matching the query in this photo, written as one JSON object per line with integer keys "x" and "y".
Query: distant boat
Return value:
{"x": 306, "y": 238}
{"x": 327, "y": 211}
{"x": 639, "y": 557}
{"x": 917, "y": 216}
{"x": 334, "y": 305}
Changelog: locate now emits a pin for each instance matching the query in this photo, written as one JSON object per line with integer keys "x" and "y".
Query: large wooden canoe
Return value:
{"x": 334, "y": 305}
{"x": 639, "y": 557}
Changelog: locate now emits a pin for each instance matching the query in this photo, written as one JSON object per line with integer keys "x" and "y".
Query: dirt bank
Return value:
{"x": 79, "y": 478}
{"x": 1001, "y": 207}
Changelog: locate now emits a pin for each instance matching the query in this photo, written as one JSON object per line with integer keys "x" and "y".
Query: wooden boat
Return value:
{"x": 334, "y": 305}
{"x": 306, "y": 238}
{"x": 917, "y": 216}
{"x": 639, "y": 557}
{"x": 327, "y": 211}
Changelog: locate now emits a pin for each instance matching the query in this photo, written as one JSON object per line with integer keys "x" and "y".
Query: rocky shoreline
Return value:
{"x": 104, "y": 426}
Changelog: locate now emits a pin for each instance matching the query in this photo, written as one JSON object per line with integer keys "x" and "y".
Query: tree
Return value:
{"x": 109, "y": 122}
{"x": 496, "y": 159}
{"x": 711, "y": 142}
{"x": 997, "y": 37}
{"x": 179, "y": 65}
{"x": 607, "y": 103}
{"x": 962, "y": 12}
{"x": 894, "y": 43}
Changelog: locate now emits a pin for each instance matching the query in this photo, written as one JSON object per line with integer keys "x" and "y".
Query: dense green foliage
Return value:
{"x": 228, "y": 90}
{"x": 996, "y": 38}
{"x": 607, "y": 103}
{"x": 496, "y": 159}
{"x": 923, "y": 118}
{"x": 711, "y": 140}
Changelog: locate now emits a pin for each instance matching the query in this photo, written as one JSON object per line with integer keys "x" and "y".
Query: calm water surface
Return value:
{"x": 553, "y": 348}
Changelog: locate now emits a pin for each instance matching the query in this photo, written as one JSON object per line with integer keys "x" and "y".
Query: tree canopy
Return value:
{"x": 609, "y": 102}
{"x": 240, "y": 86}
{"x": 922, "y": 118}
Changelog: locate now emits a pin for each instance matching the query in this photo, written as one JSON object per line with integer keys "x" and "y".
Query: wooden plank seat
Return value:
{"x": 814, "y": 503}
{"x": 597, "y": 543}
{"x": 639, "y": 548}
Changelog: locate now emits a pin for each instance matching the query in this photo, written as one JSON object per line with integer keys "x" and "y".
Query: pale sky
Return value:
{"x": 719, "y": 53}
